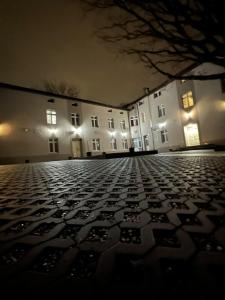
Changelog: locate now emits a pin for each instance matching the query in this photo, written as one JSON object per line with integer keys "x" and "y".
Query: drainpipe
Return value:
{"x": 140, "y": 126}
{"x": 150, "y": 113}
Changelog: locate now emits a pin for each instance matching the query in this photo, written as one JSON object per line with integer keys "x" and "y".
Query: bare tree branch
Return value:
{"x": 61, "y": 88}
{"x": 166, "y": 31}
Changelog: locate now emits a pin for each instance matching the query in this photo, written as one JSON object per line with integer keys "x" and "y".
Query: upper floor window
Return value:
{"x": 164, "y": 136}
{"x": 161, "y": 110}
{"x": 53, "y": 145}
{"x": 96, "y": 144}
{"x": 187, "y": 99}
{"x": 75, "y": 119}
{"x": 125, "y": 144}
{"x": 157, "y": 94}
{"x": 94, "y": 121}
{"x": 134, "y": 121}
{"x": 111, "y": 123}
{"x": 51, "y": 116}
{"x": 113, "y": 144}
{"x": 142, "y": 117}
{"x": 122, "y": 125}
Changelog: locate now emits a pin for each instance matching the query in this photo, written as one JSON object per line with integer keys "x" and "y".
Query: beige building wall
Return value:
{"x": 207, "y": 114}
{"x": 103, "y": 132}
{"x": 171, "y": 121}
{"x": 24, "y": 132}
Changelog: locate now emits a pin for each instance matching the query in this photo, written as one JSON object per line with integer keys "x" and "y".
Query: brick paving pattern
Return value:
{"x": 126, "y": 226}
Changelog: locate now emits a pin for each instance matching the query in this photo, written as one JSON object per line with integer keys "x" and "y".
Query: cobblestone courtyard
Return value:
{"x": 152, "y": 224}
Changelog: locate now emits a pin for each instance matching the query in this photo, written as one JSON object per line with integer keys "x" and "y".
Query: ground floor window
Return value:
{"x": 53, "y": 145}
{"x": 113, "y": 144}
{"x": 125, "y": 144}
{"x": 146, "y": 142}
{"x": 137, "y": 144}
{"x": 96, "y": 144}
{"x": 164, "y": 136}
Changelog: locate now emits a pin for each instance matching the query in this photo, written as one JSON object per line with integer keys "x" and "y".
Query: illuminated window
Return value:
{"x": 133, "y": 121}
{"x": 51, "y": 116}
{"x": 164, "y": 136}
{"x": 94, "y": 121}
{"x": 113, "y": 144}
{"x": 53, "y": 145}
{"x": 75, "y": 119}
{"x": 122, "y": 125}
{"x": 161, "y": 110}
{"x": 96, "y": 144}
{"x": 187, "y": 100}
{"x": 111, "y": 123}
{"x": 183, "y": 80}
{"x": 125, "y": 144}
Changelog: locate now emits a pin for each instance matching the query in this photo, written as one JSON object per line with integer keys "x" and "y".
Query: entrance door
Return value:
{"x": 191, "y": 135}
{"x": 76, "y": 148}
{"x": 146, "y": 142}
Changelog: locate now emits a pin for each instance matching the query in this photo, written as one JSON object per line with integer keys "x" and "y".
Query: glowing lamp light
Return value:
{"x": 112, "y": 133}
{"x": 53, "y": 130}
{"x": 188, "y": 115}
{"x": 161, "y": 125}
{"x": 76, "y": 130}
{"x": 5, "y": 129}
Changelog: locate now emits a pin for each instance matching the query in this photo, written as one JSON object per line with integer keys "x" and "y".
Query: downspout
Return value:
{"x": 151, "y": 124}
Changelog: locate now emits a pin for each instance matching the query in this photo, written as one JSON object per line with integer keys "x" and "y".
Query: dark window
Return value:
{"x": 140, "y": 103}
{"x": 51, "y": 100}
{"x": 121, "y": 112}
{"x": 74, "y": 104}
{"x": 223, "y": 85}
{"x": 110, "y": 110}
{"x": 155, "y": 95}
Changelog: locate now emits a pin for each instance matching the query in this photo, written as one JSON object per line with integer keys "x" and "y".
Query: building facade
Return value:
{"x": 36, "y": 127}
{"x": 180, "y": 114}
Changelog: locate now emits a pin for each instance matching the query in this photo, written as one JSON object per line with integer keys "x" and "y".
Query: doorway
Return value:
{"x": 76, "y": 148}
{"x": 191, "y": 134}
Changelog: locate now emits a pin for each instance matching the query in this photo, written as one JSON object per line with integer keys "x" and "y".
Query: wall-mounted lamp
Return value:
{"x": 52, "y": 130}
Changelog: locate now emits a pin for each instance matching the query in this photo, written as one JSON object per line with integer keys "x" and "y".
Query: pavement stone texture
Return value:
{"x": 126, "y": 226}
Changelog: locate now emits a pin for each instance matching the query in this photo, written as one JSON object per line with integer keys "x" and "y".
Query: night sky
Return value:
{"x": 53, "y": 40}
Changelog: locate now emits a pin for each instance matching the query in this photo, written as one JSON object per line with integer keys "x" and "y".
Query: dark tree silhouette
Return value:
{"x": 165, "y": 33}
{"x": 61, "y": 88}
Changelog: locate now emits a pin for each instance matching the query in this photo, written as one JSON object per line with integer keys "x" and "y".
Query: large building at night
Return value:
{"x": 38, "y": 126}
{"x": 180, "y": 114}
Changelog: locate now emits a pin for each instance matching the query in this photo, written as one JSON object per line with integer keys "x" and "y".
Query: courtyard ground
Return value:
{"x": 126, "y": 226}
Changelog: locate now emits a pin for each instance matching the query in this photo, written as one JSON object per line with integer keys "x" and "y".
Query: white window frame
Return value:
{"x": 187, "y": 100}
{"x": 111, "y": 123}
{"x": 123, "y": 124}
{"x": 161, "y": 110}
{"x": 134, "y": 121}
{"x": 94, "y": 121}
{"x": 53, "y": 143}
{"x": 51, "y": 116}
{"x": 143, "y": 118}
{"x": 125, "y": 144}
{"x": 164, "y": 135}
{"x": 113, "y": 144}
{"x": 75, "y": 119}
{"x": 96, "y": 144}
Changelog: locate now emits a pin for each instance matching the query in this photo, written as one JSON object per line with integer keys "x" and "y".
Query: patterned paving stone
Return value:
{"x": 126, "y": 225}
